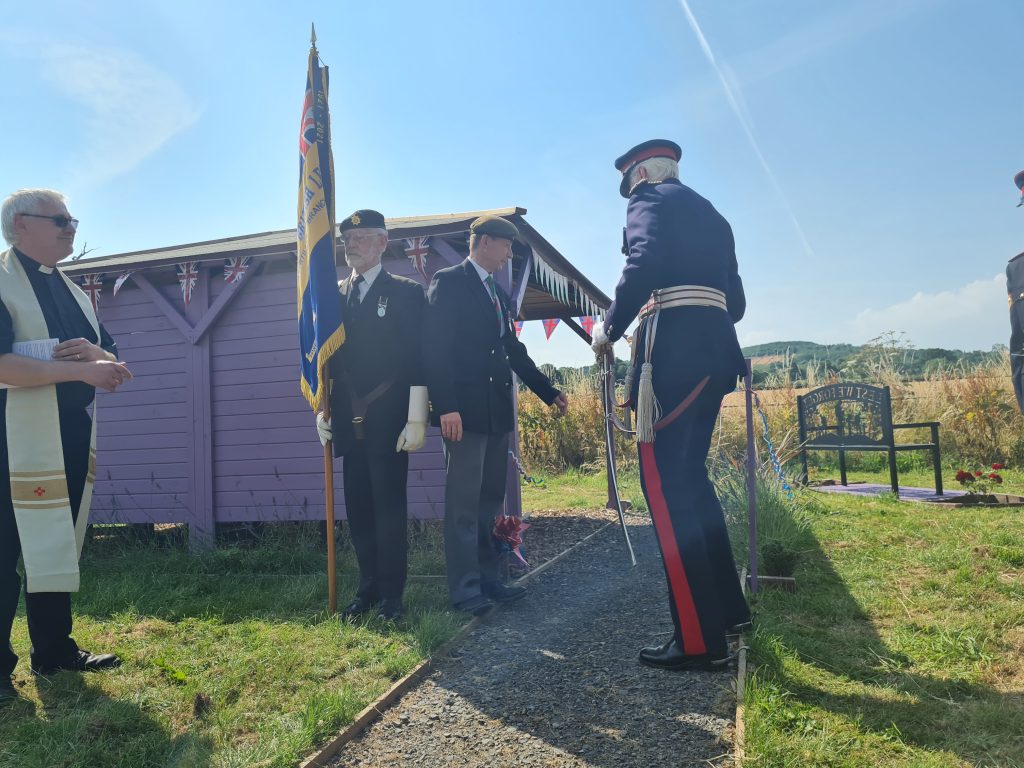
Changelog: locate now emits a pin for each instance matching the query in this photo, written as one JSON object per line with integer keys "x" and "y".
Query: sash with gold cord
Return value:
{"x": 51, "y": 543}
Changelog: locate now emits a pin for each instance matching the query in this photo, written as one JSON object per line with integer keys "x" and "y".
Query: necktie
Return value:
{"x": 494, "y": 297}
{"x": 356, "y": 289}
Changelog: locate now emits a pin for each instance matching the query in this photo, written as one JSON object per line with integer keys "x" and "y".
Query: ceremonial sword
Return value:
{"x": 608, "y": 402}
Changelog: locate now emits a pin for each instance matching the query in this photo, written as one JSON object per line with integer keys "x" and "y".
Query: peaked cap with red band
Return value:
{"x": 1019, "y": 181}
{"x": 653, "y": 148}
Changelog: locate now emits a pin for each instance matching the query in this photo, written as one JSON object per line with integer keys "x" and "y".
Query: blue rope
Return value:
{"x": 772, "y": 453}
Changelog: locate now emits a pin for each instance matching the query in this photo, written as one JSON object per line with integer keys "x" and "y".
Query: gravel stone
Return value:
{"x": 553, "y": 680}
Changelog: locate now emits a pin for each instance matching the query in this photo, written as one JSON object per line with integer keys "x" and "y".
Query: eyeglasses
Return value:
{"x": 60, "y": 221}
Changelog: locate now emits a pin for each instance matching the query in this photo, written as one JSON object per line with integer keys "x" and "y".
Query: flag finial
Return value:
{"x": 312, "y": 36}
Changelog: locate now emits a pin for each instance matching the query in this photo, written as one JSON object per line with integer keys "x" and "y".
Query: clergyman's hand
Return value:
{"x": 105, "y": 374}
{"x": 79, "y": 350}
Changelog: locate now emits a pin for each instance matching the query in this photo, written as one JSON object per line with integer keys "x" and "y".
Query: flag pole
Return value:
{"x": 332, "y": 585}
{"x": 332, "y": 580}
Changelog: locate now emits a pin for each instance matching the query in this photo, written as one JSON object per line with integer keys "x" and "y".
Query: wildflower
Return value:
{"x": 998, "y": 466}
{"x": 970, "y": 415}
{"x": 978, "y": 473}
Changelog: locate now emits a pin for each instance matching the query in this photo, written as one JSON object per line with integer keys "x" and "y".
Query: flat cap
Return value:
{"x": 645, "y": 151}
{"x": 1019, "y": 181}
{"x": 495, "y": 226}
{"x": 363, "y": 219}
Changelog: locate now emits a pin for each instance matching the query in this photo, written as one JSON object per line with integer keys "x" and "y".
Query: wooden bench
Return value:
{"x": 858, "y": 417}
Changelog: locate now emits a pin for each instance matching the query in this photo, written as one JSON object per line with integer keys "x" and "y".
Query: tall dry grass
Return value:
{"x": 574, "y": 441}
{"x": 980, "y": 420}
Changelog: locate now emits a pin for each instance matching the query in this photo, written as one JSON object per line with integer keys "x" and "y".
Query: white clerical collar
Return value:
{"x": 28, "y": 261}
{"x": 484, "y": 274}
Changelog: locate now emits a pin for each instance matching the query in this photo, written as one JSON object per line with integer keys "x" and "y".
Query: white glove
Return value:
{"x": 599, "y": 342}
{"x": 323, "y": 428}
{"x": 415, "y": 432}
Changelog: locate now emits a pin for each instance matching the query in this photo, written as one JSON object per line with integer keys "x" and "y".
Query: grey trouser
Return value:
{"x": 474, "y": 496}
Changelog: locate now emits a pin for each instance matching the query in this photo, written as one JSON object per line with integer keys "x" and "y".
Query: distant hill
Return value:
{"x": 805, "y": 363}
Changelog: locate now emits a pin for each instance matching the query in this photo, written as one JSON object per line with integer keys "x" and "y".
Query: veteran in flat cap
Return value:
{"x": 378, "y": 411}
{"x": 681, "y": 279}
{"x": 470, "y": 352}
{"x": 1015, "y": 296}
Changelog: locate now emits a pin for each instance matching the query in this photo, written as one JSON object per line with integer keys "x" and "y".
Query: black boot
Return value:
{"x": 671, "y": 656}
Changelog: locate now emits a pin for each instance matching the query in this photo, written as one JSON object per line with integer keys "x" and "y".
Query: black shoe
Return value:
{"x": 82, "y": 661}
{"x": 7, "y": 691}
{"x": 500, "y": 593}
{"x": 671, "y": 656}
{"x": 358, "y": 607}
{"x": 478, "y": 605}
{"x": 391, "y": 609}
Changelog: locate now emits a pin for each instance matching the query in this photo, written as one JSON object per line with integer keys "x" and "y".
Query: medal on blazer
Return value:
{"x": 382, "y": 306}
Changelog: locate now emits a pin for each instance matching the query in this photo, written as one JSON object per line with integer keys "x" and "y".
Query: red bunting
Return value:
{"x": 587, "y": 323}
{"x": 519, "y": 327}
{"x": 549, "y": 326}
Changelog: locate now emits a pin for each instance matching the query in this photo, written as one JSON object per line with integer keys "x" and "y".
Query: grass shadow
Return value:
{"x": 832, "y": 690}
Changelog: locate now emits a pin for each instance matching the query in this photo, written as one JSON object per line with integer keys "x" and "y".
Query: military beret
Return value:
{"x": 495, "y": 226}
{"x": 645, "y": 151}
{"x": 1019, "y": 181}
{"x": 363, "y": 219}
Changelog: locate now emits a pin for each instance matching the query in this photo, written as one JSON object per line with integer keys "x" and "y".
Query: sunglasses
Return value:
{"x": 60, "y": 221}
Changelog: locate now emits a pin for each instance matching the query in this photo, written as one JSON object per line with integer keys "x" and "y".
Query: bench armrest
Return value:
{"x": 918, "y": 425}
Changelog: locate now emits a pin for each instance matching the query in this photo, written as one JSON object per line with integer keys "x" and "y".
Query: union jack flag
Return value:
{"x": 587, "y": 323}
{"x": 92, "y": 285}
{"x": 519, "y": 327}
{"x": 234, "y": 268}
{"x": 549, "y": 325}
{"x": 416, "y": 249}
{"x": 188, "y": 274}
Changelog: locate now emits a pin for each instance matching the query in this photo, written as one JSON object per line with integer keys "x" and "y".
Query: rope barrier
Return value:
{"x": 537, "y": 482}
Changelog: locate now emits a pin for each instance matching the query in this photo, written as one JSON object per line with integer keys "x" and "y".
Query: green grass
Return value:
{"x": 230, "y": 657}
{"x": 902, "y": 646}
{"x": 576, "y": 489}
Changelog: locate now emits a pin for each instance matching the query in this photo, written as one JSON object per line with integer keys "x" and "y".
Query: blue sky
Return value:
{"x": 863, "y": 151}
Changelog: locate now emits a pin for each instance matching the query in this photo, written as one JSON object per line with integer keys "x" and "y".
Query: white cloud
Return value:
{"x": 131, "y": 108}
{"x": 973, "y": 316}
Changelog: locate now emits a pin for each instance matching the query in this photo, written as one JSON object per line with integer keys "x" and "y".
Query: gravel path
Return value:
{"x": 553, "y": 680}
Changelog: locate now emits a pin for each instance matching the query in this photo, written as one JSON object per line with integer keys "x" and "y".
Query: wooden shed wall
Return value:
{"x": 217, "y": 431}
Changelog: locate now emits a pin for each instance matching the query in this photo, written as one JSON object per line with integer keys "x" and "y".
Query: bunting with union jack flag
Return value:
{"x": 92, "y": 285}
{"x": 416, "y": 249}
{"x": 235, "y": 268}
{"x": 188, "y": 274}
{"x": 321, "y": 326}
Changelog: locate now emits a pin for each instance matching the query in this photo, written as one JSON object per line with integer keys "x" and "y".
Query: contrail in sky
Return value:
{"x": 741, "y": 115}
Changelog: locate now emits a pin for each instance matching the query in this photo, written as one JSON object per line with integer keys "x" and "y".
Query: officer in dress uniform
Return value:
{"x": 378, "y": 411}
{"x": 1015, "y": 295}
{"x": 681, "y": 279}
{"x": 470, "y": 351}
{"x": 47, "y": 438}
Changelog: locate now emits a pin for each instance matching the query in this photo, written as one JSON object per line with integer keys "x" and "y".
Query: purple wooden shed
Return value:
{"x": 213, "y": 429}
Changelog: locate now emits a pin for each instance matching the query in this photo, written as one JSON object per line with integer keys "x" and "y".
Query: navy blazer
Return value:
{"x": 673, "y": 236}
{"x": 468, "y": 364}
{"x": 377, "y": 349}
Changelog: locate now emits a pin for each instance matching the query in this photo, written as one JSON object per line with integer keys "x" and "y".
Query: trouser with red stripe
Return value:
{"x": 704, "y": 589}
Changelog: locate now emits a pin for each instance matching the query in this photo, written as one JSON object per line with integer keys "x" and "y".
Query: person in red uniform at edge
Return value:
{"x": 681, "y": 279}
{"x": 1015, "y": 295}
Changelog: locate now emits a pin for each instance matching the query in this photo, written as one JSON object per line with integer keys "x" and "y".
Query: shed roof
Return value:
{"x": 556, "y": 288}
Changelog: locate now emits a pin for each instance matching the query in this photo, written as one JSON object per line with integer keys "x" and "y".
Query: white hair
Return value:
{"x": 657, "y": 168}
{"x": 25, "y": 201}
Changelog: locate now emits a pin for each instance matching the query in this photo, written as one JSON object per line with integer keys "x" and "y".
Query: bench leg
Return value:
{"x": 842, "y": 467}
{"x": 937, "y": 461}
{"x": 893, "y": 478}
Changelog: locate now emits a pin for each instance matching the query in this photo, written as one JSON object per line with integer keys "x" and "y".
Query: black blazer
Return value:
{"x": 467, "y": 363}
{"x": 377, "y": 349}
